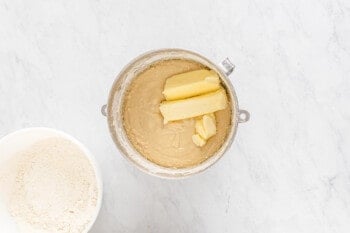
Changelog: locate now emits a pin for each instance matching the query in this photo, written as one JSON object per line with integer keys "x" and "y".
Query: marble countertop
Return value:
{"x": 289, "y": 167}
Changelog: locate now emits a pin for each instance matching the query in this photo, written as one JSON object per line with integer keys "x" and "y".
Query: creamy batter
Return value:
{"x": 167, "y": 145}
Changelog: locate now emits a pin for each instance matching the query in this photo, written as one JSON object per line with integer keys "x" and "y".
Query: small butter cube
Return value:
{"x": 193, "y": 107}
{"x": 206, "y": 126}
{"x": 198, "y": 140}
{"x": 191, "y": 84}
{"x": 200, "y": 128}
{"x": 209, "y": 126}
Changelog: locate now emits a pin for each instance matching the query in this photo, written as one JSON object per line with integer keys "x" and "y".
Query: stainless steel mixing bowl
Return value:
{"x": 113, "y": 110}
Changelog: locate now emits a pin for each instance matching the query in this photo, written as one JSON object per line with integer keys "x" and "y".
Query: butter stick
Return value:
{"x": 193, "y": 107}
{"x": 191, "y": 84}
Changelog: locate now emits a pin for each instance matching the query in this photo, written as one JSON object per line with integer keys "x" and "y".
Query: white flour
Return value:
{"x": 50, "y": 187}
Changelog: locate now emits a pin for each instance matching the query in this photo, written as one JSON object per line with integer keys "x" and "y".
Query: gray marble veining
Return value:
{"x": 289, "y": 167}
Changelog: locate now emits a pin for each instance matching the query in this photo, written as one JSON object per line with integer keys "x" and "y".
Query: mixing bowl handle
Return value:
{"x": 243, "y": 116}
{"x": 227, "y": 66}
{"x": 104, "y": 110}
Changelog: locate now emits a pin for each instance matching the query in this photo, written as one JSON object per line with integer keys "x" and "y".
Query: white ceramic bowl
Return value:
{"x": 21, "y": 139}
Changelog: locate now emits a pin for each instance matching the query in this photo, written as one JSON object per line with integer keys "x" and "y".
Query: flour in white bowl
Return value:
{"x": 50, "y": 187}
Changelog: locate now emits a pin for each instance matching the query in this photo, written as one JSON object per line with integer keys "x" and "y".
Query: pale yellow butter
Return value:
{"x": 198, "y": 140}
{"x": 191, "y": 84}
{"x": 209, "y": 125}
{"x": 200, "y": 128}
{"x": 212, "y": 115}
{"x": 206, "y": 127}
{"x": 193, "y": 107}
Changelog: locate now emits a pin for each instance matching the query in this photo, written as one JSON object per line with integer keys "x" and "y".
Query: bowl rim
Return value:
{"x": 87, "y": 153}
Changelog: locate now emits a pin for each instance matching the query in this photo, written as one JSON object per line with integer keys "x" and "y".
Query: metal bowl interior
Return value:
{"x": 115, "y": 116}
